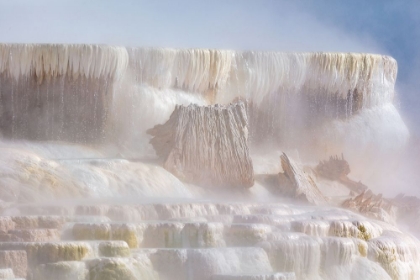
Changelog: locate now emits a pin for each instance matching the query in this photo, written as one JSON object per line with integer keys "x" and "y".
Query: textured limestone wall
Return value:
{"x": 65, "y": 92}
{"x": 57, "y": 92}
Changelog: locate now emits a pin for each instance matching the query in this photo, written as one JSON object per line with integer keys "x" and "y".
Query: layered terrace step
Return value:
{"x": 39, "y": 222}
{"x": 204, "y": 263}
{"x": 31, "y": 235}
{"x": 201, "y": 240}
{"x": 49, "y": 252}
{"x": 15, "y": 254}
{"x": 64, "y": 270}
{"x": 154, "y": 234}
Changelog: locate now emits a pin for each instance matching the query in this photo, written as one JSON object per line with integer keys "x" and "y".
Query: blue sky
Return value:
{"x": 381, "y": 26}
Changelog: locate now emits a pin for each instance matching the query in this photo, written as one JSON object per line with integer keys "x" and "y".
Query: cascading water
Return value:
{"x": 80, "y": 179}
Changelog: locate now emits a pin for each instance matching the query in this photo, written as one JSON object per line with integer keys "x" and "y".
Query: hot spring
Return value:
{"x": 148, "y": 163}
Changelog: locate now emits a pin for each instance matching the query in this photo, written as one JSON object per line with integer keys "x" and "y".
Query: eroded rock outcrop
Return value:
{"x": 294, "y": 182}
{"x": 206, "y": 145}
{"x": 371, "y": 205}
{"x": 338, "y": 169}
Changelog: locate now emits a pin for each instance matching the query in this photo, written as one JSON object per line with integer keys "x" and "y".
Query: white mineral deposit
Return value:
{"x": 199, "y": 164}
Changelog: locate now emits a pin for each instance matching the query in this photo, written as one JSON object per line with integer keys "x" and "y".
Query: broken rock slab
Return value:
{"x": 295, "y": 183}
{"x": 206, "y": 145}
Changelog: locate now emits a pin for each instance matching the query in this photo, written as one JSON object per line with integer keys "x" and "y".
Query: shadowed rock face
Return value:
{"x": 57, "y": 92}
{"x": 110, "y": 95}
{"x": 333, "y": 169}
{"x": 59, "y": 108}
{"x": 206, "y": 145}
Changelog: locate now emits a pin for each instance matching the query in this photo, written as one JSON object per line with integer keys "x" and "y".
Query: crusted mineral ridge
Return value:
{"x": 374, "y": 206}
{"x": 295, "y": 183}
{"x": 206, "y": 145}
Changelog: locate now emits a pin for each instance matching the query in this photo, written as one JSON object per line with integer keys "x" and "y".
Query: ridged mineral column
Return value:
{"x": 206, "y": 145}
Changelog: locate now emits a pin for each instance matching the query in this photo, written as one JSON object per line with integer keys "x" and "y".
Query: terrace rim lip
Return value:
{"x": 128, "y": 47}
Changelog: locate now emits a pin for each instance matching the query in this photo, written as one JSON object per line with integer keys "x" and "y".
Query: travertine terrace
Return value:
{"x": 86, "y": 193}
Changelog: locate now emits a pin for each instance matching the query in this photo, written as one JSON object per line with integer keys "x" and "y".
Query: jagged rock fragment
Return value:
{"x": 334, "y": 168}
{"x": 337, "y": 169}
{"x": 372, "y": 205}
{"x": 294, "y": 182}
{"x": 206, "y": 145}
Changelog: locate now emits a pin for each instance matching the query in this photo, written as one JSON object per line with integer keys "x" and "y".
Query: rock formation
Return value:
{"x": 105, "y": 94}
{"x": 206, "y": 145}
{"x": 294, "y": 182}
{"x": 138, "y": 221}
{"x": 375, "y": 206}
{"x": 334, "y": 168}
{"x": 337, "y": 169}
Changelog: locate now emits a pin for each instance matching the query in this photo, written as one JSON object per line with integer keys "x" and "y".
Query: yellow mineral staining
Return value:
{"x": 111, "y": 269}
{"x": 92, "y": 231}
{"x": 220, "y": 73}
{"x": 127, "y": 233}
{"x": 195, "y": 70}
{"x": 247, "y": 234}
{"x": 364, "y": 230}
{"x": 106, "y": 231}
{"x": 114, "y": 249}
{"x": 61, "y": 270}
{"x": 397, "y": 253}
{"x": 362, "y": 247}
{"x": 387, "y": 256}
{"x": 47, "y": 252}
{"x": 255, "y": 74}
